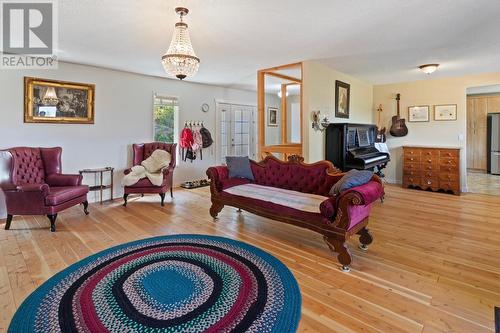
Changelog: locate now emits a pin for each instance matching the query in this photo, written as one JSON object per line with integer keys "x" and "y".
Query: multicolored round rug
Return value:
{"x": 181, "y": 283}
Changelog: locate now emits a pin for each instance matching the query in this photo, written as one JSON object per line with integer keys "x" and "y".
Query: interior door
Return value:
{"x": 470, "y": 132}
{"x": 480, "y": 138}
{"x": 237, "y": 131}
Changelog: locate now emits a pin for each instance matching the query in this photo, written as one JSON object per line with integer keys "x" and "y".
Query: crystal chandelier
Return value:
{"x": 50, "y": 97}
{"x": 180, "y": 60}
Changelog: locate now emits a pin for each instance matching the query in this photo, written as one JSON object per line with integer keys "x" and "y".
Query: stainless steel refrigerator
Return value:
{"x": 494, "y": 143}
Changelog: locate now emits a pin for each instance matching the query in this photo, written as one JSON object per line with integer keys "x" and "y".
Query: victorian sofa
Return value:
{"x": 142, "y": 151}
{"x": 298, "y": 193}
{"x": 32, "y": 182}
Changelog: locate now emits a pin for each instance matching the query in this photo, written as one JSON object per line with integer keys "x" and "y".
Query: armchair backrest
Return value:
{"x": 143, "y": 150}
{"x": 316, "y": 178}
{"x": 28, "y": 165}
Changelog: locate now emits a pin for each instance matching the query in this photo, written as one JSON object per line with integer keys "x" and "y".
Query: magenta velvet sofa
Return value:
{"x": 337, "y": 218}
{"x": 33, "y": 184}
{"x": 141, "y": 152}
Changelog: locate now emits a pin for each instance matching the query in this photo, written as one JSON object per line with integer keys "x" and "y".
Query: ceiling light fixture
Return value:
{"x": 180, "y": 60}
{"x": 429, "y": 68}
{"x": 279, "y": 94}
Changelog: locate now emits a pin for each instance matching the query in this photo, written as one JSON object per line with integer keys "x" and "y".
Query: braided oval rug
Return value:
{"x": 180, "y": 283}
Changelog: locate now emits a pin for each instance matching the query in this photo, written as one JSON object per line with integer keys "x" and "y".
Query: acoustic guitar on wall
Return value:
{"x": 398, "y": 127}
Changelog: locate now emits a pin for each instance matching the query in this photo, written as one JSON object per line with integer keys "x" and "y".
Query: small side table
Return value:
{"x": 100, "y": 187}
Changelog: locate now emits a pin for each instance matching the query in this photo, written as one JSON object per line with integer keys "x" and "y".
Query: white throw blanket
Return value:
{"x": 306, "y": 202}
{"x": 152, "y": 168}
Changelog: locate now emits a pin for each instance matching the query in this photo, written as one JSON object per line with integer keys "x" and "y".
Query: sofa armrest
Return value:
{"x": 328, "y": 207}
{"x": 217, "y": 174}
{"x": 64, "y": 180}
{"x": 366, "y": 193}
{"x": 42, "y": 188}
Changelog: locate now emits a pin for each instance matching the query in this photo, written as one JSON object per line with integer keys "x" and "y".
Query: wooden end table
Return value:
{"x": 99, "y": 172}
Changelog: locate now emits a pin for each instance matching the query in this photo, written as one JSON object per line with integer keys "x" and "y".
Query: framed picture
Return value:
{"x": 51, "y": 101}
{"x": 272, "y": 117}
{"x": 342, "y": 99}
{"x": 417, "y": 114}
{"x": 445, "y": 112}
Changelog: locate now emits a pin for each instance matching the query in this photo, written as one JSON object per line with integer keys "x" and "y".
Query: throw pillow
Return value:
{"x": 351, "y": 179}
{"x": 157, "y": 161}
{"x": 239, "y": 167}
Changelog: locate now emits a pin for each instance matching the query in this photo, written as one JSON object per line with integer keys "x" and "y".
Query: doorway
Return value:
{"x": 236, "y": 130}
{"x": 483, "y": 139}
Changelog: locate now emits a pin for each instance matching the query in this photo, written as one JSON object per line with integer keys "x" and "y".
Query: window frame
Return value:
{"x": 176, "y": 106}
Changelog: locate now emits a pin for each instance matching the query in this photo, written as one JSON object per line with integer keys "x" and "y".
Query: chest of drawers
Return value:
{"x": 437, "y": 169}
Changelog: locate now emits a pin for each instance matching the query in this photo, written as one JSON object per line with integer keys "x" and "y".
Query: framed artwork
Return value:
{"x": 342, "y": 99}
{"x": 272, "y": 117}
{"x": 445, "y": 112}
{"x": 418, "y": 114}
{"x": 51, "y": 101}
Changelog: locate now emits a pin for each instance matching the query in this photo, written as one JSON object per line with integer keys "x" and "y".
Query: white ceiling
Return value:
{"x": 379, "y": 41}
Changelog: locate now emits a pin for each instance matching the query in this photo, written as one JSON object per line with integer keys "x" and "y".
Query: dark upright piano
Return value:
{"x": 352, "y": 146}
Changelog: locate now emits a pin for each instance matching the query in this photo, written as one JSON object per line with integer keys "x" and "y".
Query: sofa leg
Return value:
{"x": 171, "y": 192}
{"x": 215, "y": 209}
{"x": 162, "y": 196}
{"x": 344, "y": 255}
{"x": 86, "y": 207}
{"x": 9, "y": 220}
{"x": 365, "y": 238}
{"x": 125, "y": 196}
{"x": 52, "y": 219}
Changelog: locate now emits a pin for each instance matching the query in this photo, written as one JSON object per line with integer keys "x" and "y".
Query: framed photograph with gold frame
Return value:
{"x": 52, "y": 101}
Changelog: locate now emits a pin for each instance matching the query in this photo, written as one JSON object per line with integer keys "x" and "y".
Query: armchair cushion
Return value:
{"x": 351, "y": 179}
{"x": 61, "y": 194}
{"x": 64, "y": 180}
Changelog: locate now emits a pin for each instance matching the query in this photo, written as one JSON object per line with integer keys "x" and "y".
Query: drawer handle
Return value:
{"x": 449, "y": 154}
{"x": 429, "y": 161}
{"x": 411, "y": 179}
{"x": 429, "y": 182}
{"x": 429, "y": 174}
{"x": 449, "y": 162}
{"x": 411, "y": 159}
{"x": 449, "y": 169}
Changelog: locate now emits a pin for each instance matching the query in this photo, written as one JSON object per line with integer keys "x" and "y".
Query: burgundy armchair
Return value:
{"x": 33, "y": 184}
{"x": 141, "y": 152}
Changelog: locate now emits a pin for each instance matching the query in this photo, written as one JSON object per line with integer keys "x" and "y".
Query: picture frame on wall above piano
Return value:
{"x": 418, "y": 114}
{"x": 342, "y": 99}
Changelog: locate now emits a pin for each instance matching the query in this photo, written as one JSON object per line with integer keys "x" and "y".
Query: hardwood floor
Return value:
{"x": 434, "y": 265}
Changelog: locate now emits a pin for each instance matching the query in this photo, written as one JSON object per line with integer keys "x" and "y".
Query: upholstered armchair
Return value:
{"x": 142, "y": 151}
{"x": 32, "y": 182}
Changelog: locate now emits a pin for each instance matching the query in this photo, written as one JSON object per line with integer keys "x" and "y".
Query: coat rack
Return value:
{"x": 192, "y": 123}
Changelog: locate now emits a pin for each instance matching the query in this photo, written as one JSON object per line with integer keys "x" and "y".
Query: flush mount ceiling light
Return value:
{"x": 180, "y": 60}
{"x": 429, "y": 68}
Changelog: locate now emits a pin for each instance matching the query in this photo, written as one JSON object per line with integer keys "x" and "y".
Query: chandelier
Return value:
{"x": 180, "y": 60}
{"x": 50, "y": 97}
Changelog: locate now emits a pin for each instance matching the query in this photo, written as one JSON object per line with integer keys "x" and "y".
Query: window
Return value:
{"x": 165, "y": 112}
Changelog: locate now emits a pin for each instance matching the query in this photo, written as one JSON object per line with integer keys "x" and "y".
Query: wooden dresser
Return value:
{"x": 434, "y": 168}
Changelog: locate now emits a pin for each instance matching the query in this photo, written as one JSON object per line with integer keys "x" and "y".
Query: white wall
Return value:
{"x": 434, "y": 133}
{"x": 319, "y": 94}
{"x": 123, "y": 116}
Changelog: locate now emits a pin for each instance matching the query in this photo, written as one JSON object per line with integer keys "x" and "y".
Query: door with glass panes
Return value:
{"x": 237, "y": 130}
